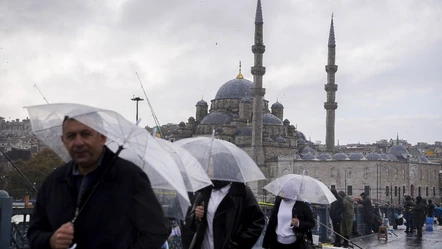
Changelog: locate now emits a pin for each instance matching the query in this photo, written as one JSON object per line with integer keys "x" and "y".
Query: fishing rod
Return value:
{"x": 157, "y": 123}
{"x": 19, "y": 171}
{"x": 35, "y": 85}
{"x": 337, "y": 233}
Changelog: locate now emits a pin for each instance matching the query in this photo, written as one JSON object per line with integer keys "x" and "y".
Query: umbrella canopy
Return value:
{"x": 138, "y": 145}
{"x": 222, "y": 160}
{"x": 194, "y": 176}
{"x": 301, "y": 187}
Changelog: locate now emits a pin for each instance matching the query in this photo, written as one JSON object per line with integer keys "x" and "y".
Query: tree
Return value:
{"x": 36, "y": 169}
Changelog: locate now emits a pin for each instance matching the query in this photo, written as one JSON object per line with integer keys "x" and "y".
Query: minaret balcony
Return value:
{"x": 258, "y": 70}
{"x": 258, "y": 92}
{"x": 331, "y": 68}
{"x": 330, "y": 105}
{"x": 258, "y": 49}
{"x": 331, "y": 87}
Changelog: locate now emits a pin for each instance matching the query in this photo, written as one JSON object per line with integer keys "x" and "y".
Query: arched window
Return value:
{"x": 395, "y": 173}
{"x": 387, "y": 173}
{"x": 403, "y": 176}
{"x": 421, "y": 173}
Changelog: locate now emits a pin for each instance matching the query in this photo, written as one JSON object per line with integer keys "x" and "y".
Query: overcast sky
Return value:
{"x": 389, "y": 55}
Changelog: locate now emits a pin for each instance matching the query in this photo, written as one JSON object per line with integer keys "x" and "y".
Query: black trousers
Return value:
{"x": 337, "y": 229}
{"x": 284, "y": 246}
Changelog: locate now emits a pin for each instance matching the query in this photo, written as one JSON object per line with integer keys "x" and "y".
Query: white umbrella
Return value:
{"x": 222, "y": 160}
{"x": 137, "y": 144}
{"x": 301, "y": 187}
{"x": 194, "y": 176}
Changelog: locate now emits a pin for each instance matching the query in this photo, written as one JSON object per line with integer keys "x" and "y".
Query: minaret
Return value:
{"x": 257, "y": 91}
{"x": 331, "y": 105}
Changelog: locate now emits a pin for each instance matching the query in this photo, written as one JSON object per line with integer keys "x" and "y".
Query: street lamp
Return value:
{"x": 137, "y": 99}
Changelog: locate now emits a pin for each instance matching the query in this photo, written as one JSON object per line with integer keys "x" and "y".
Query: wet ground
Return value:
{"x": 430, "y": 240}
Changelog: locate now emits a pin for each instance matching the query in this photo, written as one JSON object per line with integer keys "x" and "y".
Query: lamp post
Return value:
{"x": 137, "y": 99}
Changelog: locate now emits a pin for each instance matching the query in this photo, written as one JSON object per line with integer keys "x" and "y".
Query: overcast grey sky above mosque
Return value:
{"x": 88, "y": 52}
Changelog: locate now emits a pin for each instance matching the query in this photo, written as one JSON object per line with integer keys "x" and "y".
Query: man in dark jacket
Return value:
{"x": 408, "y": 213}
{"x": 111, "y": 199}
{"x": 419, "y": 212}
{"x": 367, "y": 213}
{"x": 336, "y": 211}
{"x": 226, "y": 215}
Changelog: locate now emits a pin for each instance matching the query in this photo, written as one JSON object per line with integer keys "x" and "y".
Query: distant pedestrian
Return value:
{"x": 336, "y": 210}
{"x": 347, "y": 218}
{"x": 367, "y": 213}
{"x": 430, "y": 208}
{"x": 419, "y": 215}
{"x": 408, "y": 214}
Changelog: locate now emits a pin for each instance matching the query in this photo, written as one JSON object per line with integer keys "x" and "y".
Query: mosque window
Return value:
{"x": 349, "y": 190}
{"x": 421, "y": 173}
{"x": 419, "y": 191}
{"x": 387, "y": 190}
{"x": 395, "y": 173}
{"x": 403, "y": 176}
{"x": 434, "y": 191}
{"x": 426, "y": 191}
{"x": 395, "y": 190}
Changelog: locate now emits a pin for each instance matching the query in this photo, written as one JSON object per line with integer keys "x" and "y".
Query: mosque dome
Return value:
{"x": 398, "y": 151}
{"x": 309, "y": 157}
{"x": 244, "y": 131}
{"x": 217, "y": 118}
{"x": 384, "y": 156}
{"x": 373, "y": 156}
{"x": 301, "y": 142}
{"x": 340, "y": 156}
{"x": 307, "y": 150}
{"x": 235, "y": 89}
{"x": 392, "y": 157}
{"x": 201, "y": 103}
{"x": 270, "y": 119}
{"x": 268, "y": 139}
{"x": 324, "y": 157}
{"x": 279, "y": 139}
{"x": 277, "y": 105}
{"x": 357, "y": 156}
{"x": 423, "y": 159}
{"x": 301, "y": 135}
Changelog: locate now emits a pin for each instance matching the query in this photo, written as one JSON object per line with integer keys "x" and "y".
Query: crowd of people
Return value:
{"x": 416, "y": 213}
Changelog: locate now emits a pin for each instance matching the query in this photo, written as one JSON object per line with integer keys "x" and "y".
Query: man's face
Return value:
{"x": 83, "y": 143}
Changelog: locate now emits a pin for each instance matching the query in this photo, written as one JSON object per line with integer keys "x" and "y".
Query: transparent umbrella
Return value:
{"x": 301, "y": 187}
{"x": 137, "y": 145}
{"x": 194, "y": 176}
{"x": 222, "y": 160}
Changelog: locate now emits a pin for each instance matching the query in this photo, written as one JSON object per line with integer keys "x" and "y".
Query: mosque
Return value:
{"x": 240, "y": 114}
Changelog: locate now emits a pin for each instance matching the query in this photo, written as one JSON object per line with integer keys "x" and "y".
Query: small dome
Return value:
{"x": 392, "y": 157}
{"x": 340, "y": 156}
{"x": 302, "y": 142}
{"x": 423, "y": 159}
{"x": 235, "y": 89}
{"x": 270, "y": 119}
{"x": 297, "y": 157}
{"x": 324, "y": 157}
{"x": 201, "y": 103}
{"x": 307, "y": 150}
{"x": 301, "y": 135}
{"x": 280, "y": 139}
{"x": 357, "y": 156}
{"x": 191, "y": 119}
{"x": 244, "y": 131}
{"x": 268, "y": 139}
{"x": 217, "y": 118}
{"x": 182, "y": 124}
{"x": 398, "y": 151}
{"x": 309, "y": 157}
{"x": 286, "y": 122}
{"x": 373, "y": 157}
{"x": 384, "y": 157}
{"x": 277, "y": 105}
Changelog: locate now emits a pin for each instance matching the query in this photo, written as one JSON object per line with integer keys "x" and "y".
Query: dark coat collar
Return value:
{"x": 105, "y": 163}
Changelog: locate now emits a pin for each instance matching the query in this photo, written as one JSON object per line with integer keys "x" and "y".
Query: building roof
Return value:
{"x": 270, "y": 119}
{"x": 373, "y": 156}
{"x": 235, "y": 89}
{"x": 356, "y": 156}
{"x": 217, "y": 118}
{"x": 201, "y": 103}
{"x": 340, "y": 156}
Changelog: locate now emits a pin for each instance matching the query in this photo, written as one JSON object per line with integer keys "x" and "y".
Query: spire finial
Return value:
{"x": 331, "y": 36}
{"x": 258, "y": 16}
{"x": 239, "y": 76}
{"x": 202, "y": 97}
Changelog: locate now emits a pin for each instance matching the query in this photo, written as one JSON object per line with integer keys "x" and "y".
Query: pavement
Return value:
{"x": 429, "y": 240}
